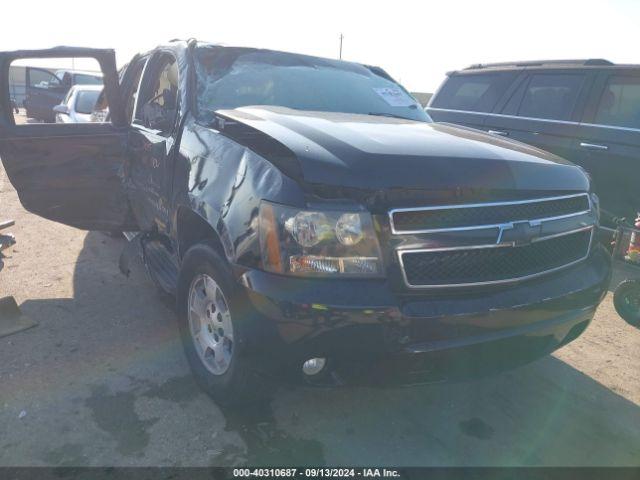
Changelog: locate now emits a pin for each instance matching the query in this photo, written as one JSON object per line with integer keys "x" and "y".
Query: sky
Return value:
{"x": 417, "y": 42}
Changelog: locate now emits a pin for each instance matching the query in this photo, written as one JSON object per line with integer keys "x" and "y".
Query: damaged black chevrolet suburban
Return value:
{"x": 310, "y": 219}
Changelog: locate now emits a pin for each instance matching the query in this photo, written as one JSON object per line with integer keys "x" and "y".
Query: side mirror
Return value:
{"x": 62, "y": 109}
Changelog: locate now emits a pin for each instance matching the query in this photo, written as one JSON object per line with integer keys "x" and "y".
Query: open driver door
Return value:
{"x": 72, "y": 173}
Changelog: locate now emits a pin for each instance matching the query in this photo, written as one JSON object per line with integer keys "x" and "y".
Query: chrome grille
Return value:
{"x": 483, "y": 215}
{"x": 493, "y": 263}
{"x": 532, "y": 237}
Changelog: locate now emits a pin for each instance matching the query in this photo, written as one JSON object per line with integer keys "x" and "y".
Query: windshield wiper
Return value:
{"x": 385, "y": 114}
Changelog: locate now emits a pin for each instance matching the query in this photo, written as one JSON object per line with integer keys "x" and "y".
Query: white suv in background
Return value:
{"x": 78, "y": 105}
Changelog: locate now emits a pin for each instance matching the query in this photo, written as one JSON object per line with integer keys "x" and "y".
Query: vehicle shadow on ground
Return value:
{"x": 141, "y": 400}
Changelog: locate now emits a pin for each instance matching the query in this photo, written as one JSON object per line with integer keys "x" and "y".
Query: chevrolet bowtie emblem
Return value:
{"x": 519, "y": 233}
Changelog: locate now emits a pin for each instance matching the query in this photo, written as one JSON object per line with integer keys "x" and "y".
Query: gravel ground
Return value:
{"x": 102, "y": 381}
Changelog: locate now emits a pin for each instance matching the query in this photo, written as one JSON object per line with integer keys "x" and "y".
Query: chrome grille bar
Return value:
{"x": 482, "y": 226}
{"x": 517, "y": 239}
{"x": 401, "y": 253}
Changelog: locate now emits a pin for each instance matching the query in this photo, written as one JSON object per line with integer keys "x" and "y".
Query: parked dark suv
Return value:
{"x": 311, "y": 220}
{"x": 45, "y": 89}
{"x": 587, "y": 111}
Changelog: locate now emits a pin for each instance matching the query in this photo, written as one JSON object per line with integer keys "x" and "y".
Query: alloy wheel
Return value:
{"x": 210, "y": 324}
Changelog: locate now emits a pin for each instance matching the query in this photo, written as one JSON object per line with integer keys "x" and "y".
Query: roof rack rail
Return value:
{"x": 541, "y": 63}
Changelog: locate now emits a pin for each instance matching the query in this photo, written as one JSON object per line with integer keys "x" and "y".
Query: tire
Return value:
{"x": 227, "y": 369}
{"x": 626, "y": 300}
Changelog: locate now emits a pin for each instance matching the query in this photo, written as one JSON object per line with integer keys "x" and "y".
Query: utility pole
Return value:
{"x": 341, "y": 37}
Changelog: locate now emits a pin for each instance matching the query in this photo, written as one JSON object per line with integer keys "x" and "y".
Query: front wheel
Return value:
{"x": 626, "y": 300}
{"x": 216, "y": 329}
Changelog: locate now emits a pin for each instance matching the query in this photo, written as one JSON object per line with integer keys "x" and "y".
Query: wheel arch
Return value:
{"x": 192, "y": 228}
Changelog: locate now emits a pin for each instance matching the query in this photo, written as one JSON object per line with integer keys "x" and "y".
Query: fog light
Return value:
{"x": 313, "y": 366}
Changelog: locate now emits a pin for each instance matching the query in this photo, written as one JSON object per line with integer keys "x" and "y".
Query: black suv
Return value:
{"x": 587, "y": 111}
{"x": 45, "y": 89}
{"x": 311, "y": 220}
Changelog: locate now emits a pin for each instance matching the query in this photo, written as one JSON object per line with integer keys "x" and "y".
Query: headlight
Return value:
{"x": 349, "y": 229}
{"x": 308, "y": 228}
{"x": 318, "y": 242}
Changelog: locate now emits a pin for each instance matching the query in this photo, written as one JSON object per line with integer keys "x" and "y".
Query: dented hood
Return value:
{"x": 375, "y": 152}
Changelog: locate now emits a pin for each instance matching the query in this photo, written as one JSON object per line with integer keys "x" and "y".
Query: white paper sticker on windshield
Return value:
{"x": 395, "y": 96}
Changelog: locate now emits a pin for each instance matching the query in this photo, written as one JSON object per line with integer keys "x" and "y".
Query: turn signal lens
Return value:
{"x": 269, "y": 242}
{"x": 349, "y": 265}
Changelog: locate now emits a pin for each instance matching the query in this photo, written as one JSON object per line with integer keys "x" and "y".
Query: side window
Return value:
{"x": 42, "y": 78}
{"x": 132, "y": 91}
{"x": 551, "y": 96}
{"x": 86, "y": 100}
{"x": 158, "y": 98}
{"x": 511, "y": 107}
{"x": 84, "y": 79}
{"x": 475, "y": 92}
{"x": 40, "y": 89}
{"x": 620, "y": 102}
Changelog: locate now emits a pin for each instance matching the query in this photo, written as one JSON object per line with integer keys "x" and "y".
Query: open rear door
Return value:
{"x": 72, "y": 173}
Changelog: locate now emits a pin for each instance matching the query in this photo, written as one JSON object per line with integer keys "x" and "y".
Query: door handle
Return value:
{"x": 593, "y": 146}
{"x": 499, "y": 132}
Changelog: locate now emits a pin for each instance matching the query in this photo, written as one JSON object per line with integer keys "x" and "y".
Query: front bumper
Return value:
{"x": 370, "y": 333}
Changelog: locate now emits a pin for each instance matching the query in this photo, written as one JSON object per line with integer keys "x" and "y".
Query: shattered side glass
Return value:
{"x": 229, "y": 78}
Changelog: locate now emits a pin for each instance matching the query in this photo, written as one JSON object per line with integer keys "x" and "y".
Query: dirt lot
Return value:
{"x": 102, "y": 381}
